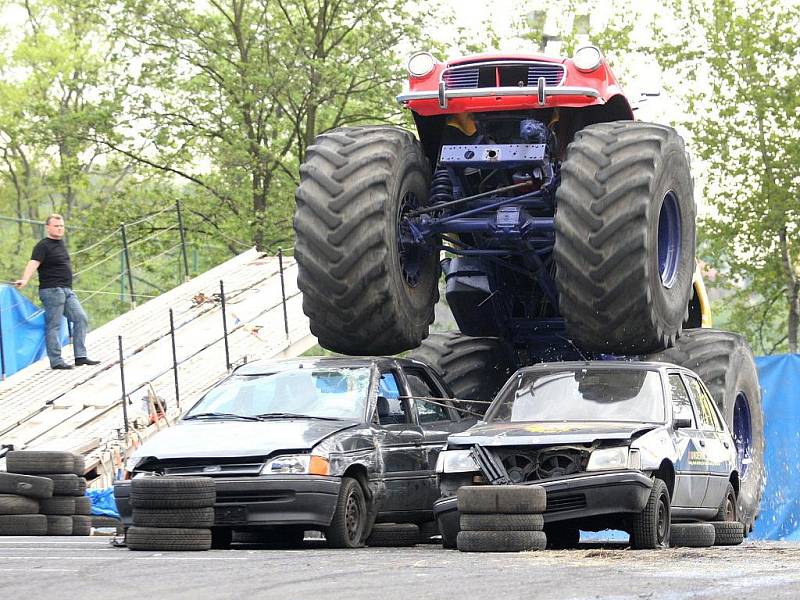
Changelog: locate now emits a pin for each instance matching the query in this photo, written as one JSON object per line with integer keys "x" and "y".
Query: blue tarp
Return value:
{"x": 23, "y": 330}
{"x": 780, "y": 506}
{"x": 103, "y": 502}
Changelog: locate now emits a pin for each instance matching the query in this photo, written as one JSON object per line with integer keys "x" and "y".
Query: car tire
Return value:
{"x": 23, "y": 525}
{"x": 168, "y": 539}
{"x": 501, "y": 499}
{"x": 474, "y": 368}
{"x": 625, "y": 237}
{"x": 11, "y": 504}
{"x": 348, "y": 528}
{"x": 692, "y": 535}
{"x": 364, "y": 294}
{"x": 562, "y": 537}
{"x": 650, "y": 528}
{"x": 725, "y": 363}
{"x": 32, "y": 486}
{"x": 501, "y": 541}
{"x": 728, "y": 533}
{"x": 393, "y": 535}
{"x": 513, "y": 522}
{"x": 57, "y": 505}
{"x": 78, "y": 465}
{"x": 727, "y": 510}
{"x": 172, "y": 492}
{"x": 83, "y": 505}
{"x": 39, "y": 461}
{"x": 59, "y": 525}
{"x": 82, "y": 525}
{"x": 181, "y": 518}
{"x": 66, "y": 484}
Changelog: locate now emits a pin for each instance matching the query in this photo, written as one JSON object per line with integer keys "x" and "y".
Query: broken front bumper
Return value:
{"x": 570, "y": 498}
{"x": 261, "y": 501}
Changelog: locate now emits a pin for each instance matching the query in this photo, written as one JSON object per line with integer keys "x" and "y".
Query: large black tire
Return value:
{"x": 354, "y": 185}
{"x": 725, "y": 363}
{"x": 650, "y": 529}
{"x": 172, "y": 492}
{"x": 615, "y": 181}
{"x": 173, "y": 517}
{"x": 516, "y": 522}
{"x": 728, "y": 533}
{"x": 393, "y": 535}
{"x": 59, "y": 525}
{"x": 501, "y": 541}
{"x": 501, "y": 499}
{"x": 348, "y": 528}
{"x": 23, "y": 525}
{"x": 11, "y": 504}
{"x": 26, "y": 485}
{"x": 474, "y": 368}
{"x": 39, "y": 461}
{"x": 66, "y": 484}
{"x": 155, "y": 538}
{"x": 692, "y": 535}
{"x": 82, "y": 525}
{"x": 57, "y": 505}
{"x": 727, "y": 510}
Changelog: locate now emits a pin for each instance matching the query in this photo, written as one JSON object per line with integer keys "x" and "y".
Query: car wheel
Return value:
{"x": 348, "y": 529}
{"x": 727, "y": 509}
{"x": 651, "y": 527}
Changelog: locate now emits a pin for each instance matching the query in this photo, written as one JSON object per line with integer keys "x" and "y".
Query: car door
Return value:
{"x": 691, "y": 472}
{"x": 399, "y": 440}
{"x": 436, "y": 417}
{"x": 717, "y": 444}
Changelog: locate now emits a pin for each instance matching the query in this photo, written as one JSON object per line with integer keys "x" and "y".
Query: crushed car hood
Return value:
{"x": 547, "y": 433}
{"x": 222, "y": 438}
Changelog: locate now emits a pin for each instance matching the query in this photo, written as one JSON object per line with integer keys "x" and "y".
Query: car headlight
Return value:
{"x": 455, "y": 461}
{"x": 587, "y": 58}
{"x": 296, "y": 464}
{"x": 610, "y": 459}
{"x": 420, "y": 64}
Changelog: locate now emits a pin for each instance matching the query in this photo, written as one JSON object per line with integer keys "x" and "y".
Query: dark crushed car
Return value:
{"x": 328, "y": 444}
{"x": 620, "y": 445}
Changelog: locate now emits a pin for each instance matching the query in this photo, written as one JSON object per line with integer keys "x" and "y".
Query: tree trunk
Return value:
{"x": 792, "y": 291}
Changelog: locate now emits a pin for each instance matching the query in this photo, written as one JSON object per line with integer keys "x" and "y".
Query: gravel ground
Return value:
{"x": 40, "y": 568}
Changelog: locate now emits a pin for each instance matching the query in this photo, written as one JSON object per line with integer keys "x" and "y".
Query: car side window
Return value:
{"x": 681, "y": 403}
{"x": 708, "y": 417}
{"x": 421, "y": 386}
{"x": 391, "y": 409}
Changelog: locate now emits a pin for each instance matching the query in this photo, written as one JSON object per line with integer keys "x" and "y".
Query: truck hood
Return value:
{"x": 547, "y": 433}
{"x": 222, "y": 438}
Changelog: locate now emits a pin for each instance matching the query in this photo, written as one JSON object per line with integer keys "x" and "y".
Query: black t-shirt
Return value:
{"x": 55, "y": 269}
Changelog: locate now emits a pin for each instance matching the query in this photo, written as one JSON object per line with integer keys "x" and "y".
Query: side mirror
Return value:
{"x": 681, "y": 423}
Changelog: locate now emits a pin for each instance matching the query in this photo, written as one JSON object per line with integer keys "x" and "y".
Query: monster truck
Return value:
{"x": 568, "y": 227}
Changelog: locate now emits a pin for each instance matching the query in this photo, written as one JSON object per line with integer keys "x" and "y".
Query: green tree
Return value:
{"x": 229, "y": 95}
{"x": 737, "y": 64}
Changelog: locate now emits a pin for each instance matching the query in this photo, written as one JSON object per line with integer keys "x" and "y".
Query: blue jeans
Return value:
{"x": 62, "y": 302}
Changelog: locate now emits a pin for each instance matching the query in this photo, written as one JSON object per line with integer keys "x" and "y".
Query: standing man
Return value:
{"x": 50, "y": 257}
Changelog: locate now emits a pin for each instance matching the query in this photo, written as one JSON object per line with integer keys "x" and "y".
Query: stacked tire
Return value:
{"x": 171, "y": 513}
{"x": 501, "y": 518}
{"x": 66, "y": 509}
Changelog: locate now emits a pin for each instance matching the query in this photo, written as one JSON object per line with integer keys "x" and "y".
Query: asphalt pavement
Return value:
{"x": 38, "y": 568}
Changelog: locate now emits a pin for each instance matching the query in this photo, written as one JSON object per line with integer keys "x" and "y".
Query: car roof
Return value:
{"x": 263, "y": 366}
{"x": 633, "y": 365}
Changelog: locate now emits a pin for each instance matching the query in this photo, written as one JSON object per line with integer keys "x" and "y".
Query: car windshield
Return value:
{"x": 339, "y": 393}
{"x": 596, "y": 394}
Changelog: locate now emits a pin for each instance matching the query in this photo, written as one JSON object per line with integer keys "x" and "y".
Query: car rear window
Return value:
{"x": 594, "y": 394}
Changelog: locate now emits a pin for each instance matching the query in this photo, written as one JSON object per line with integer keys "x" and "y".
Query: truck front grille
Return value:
{"x": 505, "y": 74}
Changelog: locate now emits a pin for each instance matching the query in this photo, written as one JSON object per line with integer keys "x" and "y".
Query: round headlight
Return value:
{"x": 587, "y": 58}
{"x": 420, "y": 64}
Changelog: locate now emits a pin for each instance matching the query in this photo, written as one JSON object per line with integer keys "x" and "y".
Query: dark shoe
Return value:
{"x": 85, "y": 361}
{"x": 61, "y": 367}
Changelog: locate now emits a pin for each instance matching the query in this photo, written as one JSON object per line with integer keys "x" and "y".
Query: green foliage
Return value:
{"x": 739, "y": 77}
